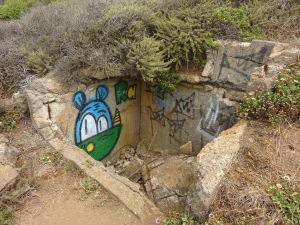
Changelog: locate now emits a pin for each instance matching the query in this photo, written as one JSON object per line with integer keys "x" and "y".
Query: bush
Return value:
{"x": 39, "y": 61}
{"x": 86, "y": 39}
{"x": 286, "y": 196}
{"x": 148, "y": 58}
{"x": 232, "y": 23}
{"x": 282, "y": 103}
{"x": 12, "y": 9}
{"x": 6, "y": 216}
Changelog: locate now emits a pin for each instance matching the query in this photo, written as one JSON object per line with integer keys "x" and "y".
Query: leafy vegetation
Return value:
{"x": 286, "y": 195}
{"x": 88, "y": 39}
{"x": 179, "y": 219}
{"x": 12, "y": 9}
{"x": 283, "y": 103}
{"x": 6, "y": 216}
{"x": 8, "y": 121}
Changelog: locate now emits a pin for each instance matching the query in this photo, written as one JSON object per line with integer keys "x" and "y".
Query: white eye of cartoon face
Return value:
{"x": 88, "y": 127}
{"x": 102, "y": 124}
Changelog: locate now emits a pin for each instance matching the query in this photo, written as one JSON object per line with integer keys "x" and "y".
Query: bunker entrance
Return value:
{"x": 156, "y": 139}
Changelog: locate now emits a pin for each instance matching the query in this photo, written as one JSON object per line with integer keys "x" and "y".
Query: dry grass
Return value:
{"x": 79, "y": 38}
{"x": 267, "y": 154}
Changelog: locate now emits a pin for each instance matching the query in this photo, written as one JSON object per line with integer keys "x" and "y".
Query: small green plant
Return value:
{"x": 165, "y": 81}
{"x": 45, "y": 160}
{"x": 286, "y": 195}
{"x": 6, "y": 216}
{"x": 88, "y": 185}
{"x": 12, "y": 9}
{"x": 8, "y": 121}
{"x": 175, "y": 218}
{"x": 282, "y": 103}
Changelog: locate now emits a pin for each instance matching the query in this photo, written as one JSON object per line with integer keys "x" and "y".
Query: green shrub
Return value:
{"x": 6, "y": 216}
{"x": 286, "y": 195}
{"x": 12, "y": 9}
{"x": 282, "y": 103}
{"x": 179, "y": 219}
{"x": 185, "y": 37}
{"x": 39, "y": 61}
{"x": 165, "y": 81}
{"x": 148, "y": 58}
{"x": 232, "y": 23}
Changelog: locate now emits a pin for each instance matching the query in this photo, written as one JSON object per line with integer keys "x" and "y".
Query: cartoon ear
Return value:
{"x": 79, "y": 100}
{"x": 101, "y": 92}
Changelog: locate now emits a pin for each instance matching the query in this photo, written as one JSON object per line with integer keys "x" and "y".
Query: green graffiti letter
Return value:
{"x": 121, "y": 91}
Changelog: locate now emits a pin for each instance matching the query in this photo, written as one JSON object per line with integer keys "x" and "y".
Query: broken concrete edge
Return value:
{"x": 8, "y": 176}
{"x": 124, "y": 190}
{"x": 212, "y": 164}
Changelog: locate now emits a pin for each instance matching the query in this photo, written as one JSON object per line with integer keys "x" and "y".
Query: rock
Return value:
{"x": 233, "y": 67}
{"x": 16, "y": 103}
{"x": 186, "y": 148}
{"x": 3, "y": 139}
{"x": 8, "y": 154}
{"x": 141, "y": 149}
{"x": 168, "y": 182}
{"x": 191, "y": 78}
{"x": 211, "y": 166}
{"x": 133, "y": 170}
{"x": 208, "y": 88}
{"x": 7, "y": 175}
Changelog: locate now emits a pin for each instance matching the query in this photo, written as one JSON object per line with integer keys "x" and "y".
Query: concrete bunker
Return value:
{"x": 172, "y": 144}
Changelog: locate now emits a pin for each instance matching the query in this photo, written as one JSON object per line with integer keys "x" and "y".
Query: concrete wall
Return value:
{"x": 103, "y": 117}
{"x": 203, "y": 106}
{"x": 194, "y": 113}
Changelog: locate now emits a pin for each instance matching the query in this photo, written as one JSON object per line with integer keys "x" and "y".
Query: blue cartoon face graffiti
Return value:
{"x": 95, "y": 131}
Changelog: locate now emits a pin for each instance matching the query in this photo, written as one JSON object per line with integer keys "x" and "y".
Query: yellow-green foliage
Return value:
{"x": 147, "y": 56}
{"x": 6, "y": 216}
{"x": 185, "y": 37}
{"x": 39, "y": 61}
{"x": 12, "y": 9}
{"x": 233, "y": 22}
{"x": 89, "y": 38}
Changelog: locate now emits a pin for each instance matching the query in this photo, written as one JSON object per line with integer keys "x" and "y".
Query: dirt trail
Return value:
{"x": 56, "y": 201}
{"x": 54, "y": 192}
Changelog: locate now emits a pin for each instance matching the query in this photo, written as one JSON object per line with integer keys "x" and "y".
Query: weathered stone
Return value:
{"x": 16, "y": 103}
{"x": 3, "y": 138}
{"x": 168, "y": 182}
{"x": 186, "y": 148}
{"x": 208, "y": 88}
{"x": 191, "y": 78}
{"x": 213, "y": 162}
{"x": 7, "y": 175}
{"x": 234, "y": 68}
{"x": 141, "y": 149}
{"x": 133, "y": 171}
{"x": 8, "y": 154}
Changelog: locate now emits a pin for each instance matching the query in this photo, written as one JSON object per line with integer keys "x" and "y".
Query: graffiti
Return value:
{"x": 210, "y": 118}
{"x": 186, "y": 106}
{"x": 245, "y": 62}
{"x": 95, "y": 131}
{"x": 176, "y": 128}
{"x": 158, "y": 115}
{"x": 123, "y": 91}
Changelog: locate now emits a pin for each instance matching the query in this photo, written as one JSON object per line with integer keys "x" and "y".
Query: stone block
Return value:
{"x": 186, "y": 148}
{"x": 7, "y": 175}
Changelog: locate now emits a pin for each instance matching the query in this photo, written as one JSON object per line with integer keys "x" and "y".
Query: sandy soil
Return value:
{"x": 268, "y": 154}
{"x": 52, "y": 190}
